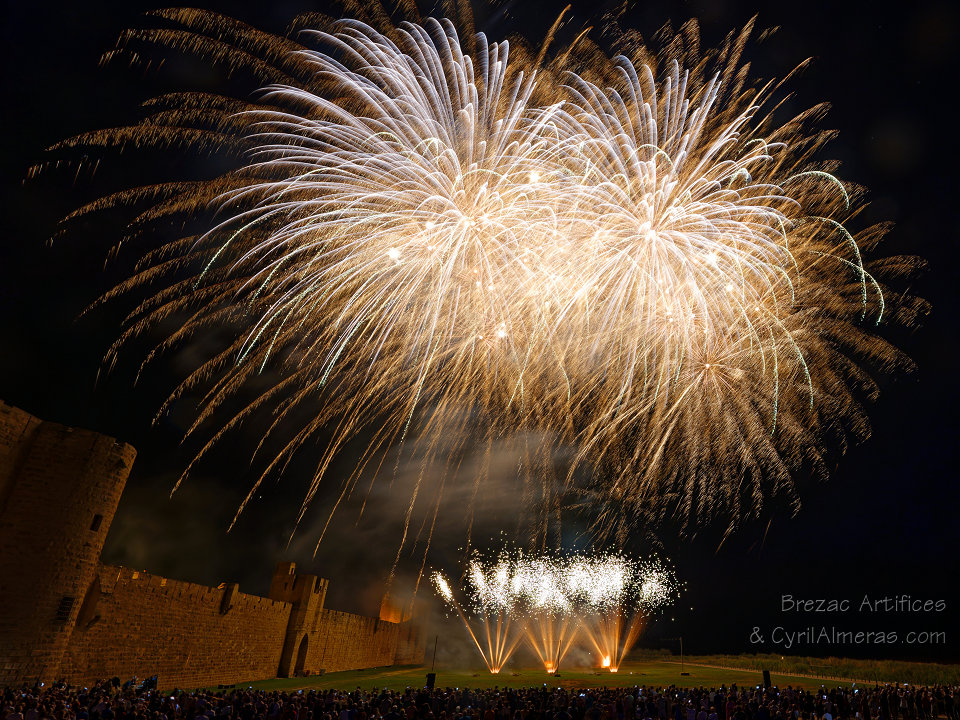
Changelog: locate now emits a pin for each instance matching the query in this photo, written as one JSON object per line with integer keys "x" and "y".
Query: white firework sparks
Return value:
{"x": 443, "y": 587}
{"x": 636, "y": 262}
{"x": 575, "y": 584}
{"x": 606, "y": 598}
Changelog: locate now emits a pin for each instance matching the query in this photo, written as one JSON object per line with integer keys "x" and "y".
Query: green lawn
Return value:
{"x": 631, "y": 673}
{"x": 915, "y": 673}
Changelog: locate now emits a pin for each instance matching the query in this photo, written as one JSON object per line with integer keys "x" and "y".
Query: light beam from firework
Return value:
{"x": 620, "y": 617}
{"x": 605, "y": 632}
{"x": 543, "y": 585}
{"x": 500, "y": 644}
{"x": 551, "y": 638}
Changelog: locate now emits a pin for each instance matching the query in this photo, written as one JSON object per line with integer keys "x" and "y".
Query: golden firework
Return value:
{"x": 628, "y": 256}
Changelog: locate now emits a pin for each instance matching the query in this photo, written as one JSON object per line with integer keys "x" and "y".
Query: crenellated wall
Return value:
{"x": 189, "y": 635}
{"x": 66, "y": 616}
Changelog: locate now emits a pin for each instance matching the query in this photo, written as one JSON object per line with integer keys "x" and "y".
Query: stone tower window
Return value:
{"x": 64, "y": 608}
{"x": 95, "y": 525}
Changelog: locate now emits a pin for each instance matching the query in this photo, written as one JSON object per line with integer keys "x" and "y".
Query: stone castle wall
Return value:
{"x": 189, "y": 635}
{"x": 411, "y": 644}
{"x": 337, "y": 650}
{"x": 66, "y": 615}
{"x": 58, "y": 492}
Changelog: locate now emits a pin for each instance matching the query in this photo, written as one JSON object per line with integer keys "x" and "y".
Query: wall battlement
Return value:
{"x": 68, "y": 616}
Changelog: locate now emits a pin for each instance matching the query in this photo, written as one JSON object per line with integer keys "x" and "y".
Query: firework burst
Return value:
{"x": 615, "y": 624}
{"x": 634, "y": 260}
{"x": 604, "y": 598}
{"x": 499, "y": 638}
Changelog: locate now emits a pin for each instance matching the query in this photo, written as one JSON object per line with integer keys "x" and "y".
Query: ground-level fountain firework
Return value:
{"x": 599, "y": 601}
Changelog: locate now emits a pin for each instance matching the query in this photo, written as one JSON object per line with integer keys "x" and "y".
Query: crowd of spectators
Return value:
{"x": 112, "y": 701}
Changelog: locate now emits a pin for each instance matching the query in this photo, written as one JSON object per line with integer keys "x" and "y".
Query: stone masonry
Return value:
{"x": 65, "y": 615}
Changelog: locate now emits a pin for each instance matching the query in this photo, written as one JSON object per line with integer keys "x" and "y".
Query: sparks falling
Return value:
{"x": 426, "y": 227}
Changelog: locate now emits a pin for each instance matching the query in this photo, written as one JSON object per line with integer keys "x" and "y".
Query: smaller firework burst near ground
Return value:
{"x": 499, "y": 643}
{"x": 620, "y": 615}
{"x": 601, "y": 600}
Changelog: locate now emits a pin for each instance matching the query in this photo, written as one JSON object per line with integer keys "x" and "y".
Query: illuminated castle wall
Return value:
{"x": 63, "y": 614}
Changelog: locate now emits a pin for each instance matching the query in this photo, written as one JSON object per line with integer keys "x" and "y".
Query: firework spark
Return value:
{"x": 500, "y": 641}
{"x": 615, "y": 622}
{"x": 635, "y": 261}
{"x": 607, "y": 596}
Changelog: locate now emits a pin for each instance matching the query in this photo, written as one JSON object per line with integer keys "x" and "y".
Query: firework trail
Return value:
{"x": 605, "y": 598}
{"x": 500, "y": 642}
{"x": 614, "y": 621}
{"x": 429, "y": 232}
{"x": 550, "y": 621}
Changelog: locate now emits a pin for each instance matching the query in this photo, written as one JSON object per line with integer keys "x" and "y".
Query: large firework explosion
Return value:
{"x": 428, "y": 233}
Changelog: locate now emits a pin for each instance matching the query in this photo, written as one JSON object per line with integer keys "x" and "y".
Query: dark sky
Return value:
{"x": 888, "y": 522}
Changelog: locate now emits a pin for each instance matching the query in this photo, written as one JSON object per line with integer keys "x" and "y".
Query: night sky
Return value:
{"x": 888, "y": 521}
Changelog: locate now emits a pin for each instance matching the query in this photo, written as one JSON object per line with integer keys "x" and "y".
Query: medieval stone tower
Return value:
{"x": 66, "y": 615}
{"x": 306, "y": 593}
{"x": 59, "y": 489}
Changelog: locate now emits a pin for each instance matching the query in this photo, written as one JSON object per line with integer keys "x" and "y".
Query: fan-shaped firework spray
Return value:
{"x": 606, "y": 596}
{"x": 626, "y": 255}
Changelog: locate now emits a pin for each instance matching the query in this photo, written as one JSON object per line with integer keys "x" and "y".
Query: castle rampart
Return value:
{"x": 60, "y": 489}
{"x": 189, "y": 635}
{"x": 67, "y": 616}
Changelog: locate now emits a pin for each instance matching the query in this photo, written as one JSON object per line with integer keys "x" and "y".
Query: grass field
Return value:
{"x": 631, "y": 673}
{"x": 916, "y": 673}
